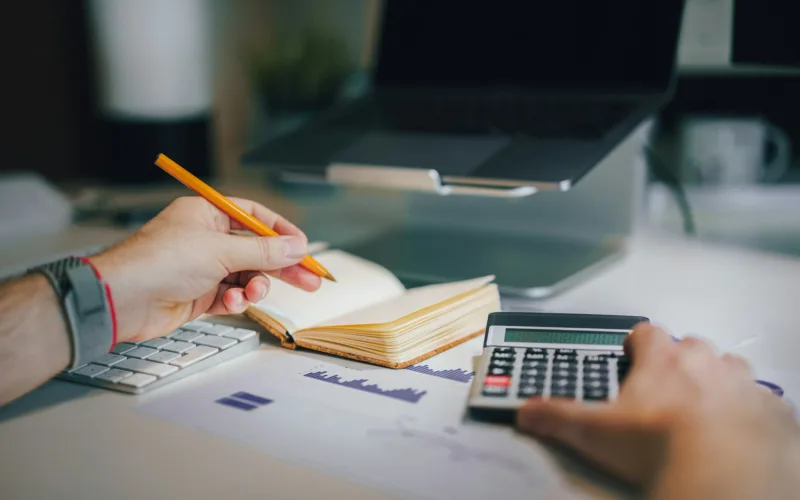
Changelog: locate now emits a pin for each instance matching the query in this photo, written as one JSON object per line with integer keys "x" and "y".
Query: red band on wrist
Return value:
{"x": 109, "y": 297}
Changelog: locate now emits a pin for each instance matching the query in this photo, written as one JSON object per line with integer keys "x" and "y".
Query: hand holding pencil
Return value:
{"x": 231, "y": 209}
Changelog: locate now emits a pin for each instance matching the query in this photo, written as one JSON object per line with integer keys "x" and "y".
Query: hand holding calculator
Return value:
{"x": 528, "y": 355}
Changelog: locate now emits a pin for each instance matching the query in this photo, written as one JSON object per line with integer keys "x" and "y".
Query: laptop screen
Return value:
{"x": 603, "y": 45}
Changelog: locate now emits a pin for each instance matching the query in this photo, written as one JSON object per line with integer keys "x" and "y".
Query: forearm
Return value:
{"x": 34, "y": 340}
{"x": 720, "y": 462}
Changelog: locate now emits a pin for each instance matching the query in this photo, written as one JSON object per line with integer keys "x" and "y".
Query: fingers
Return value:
{"x": 647, "y": 341}
{"x": 247, "y": 253}
{"x": 565, "y": 421}
{"x": 737, "y": 363}
{"x": 265, "y": 215}
{"x": 298, "y": 276}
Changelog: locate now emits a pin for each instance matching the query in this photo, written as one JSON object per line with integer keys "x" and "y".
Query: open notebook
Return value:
{"x": 369, "y": 316}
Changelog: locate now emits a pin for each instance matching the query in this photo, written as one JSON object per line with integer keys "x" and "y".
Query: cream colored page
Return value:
{"x": 412, "y": 301}
{"x": 360, "y": 283}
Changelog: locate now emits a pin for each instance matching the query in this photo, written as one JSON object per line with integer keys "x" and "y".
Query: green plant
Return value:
{"x": 302, "y": 72}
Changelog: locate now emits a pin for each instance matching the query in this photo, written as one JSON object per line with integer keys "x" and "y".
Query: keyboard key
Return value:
{"x": 141, "y": 352}
{"x": 90, "y": 371}
{"x": 156, "y": 343}
{"x": 143, "y": 366}
{"x": 123, "y": 347}
{"x": 108, "y": 359}
{"x": 197, "y": 325}
{"x": 240, "y": 334}
{"x": 214, "y": 341}
{"x": 178, "y": 347}
{"x": 163, "y": 357}
{"x": 193, "y": 356}
{"x": 114, "y": 375}
{"x": 138, "y": 380}
{"x": 187, "y": 336}
{"x": 217, "y": 330}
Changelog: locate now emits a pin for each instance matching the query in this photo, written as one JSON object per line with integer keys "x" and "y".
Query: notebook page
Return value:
{"x": 360, "y": 283}
{"x": 411, "y": 302}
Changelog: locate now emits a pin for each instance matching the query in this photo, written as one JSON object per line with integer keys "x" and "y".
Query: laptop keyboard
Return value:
{"x": 141, "y": 367}
{"x": 533, "y": 118}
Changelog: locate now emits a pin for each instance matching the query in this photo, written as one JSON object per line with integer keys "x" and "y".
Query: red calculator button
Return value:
{"x": 497, "y": 380}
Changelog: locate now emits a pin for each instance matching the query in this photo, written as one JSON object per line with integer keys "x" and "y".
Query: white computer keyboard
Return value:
{"x": 144, "y": 366}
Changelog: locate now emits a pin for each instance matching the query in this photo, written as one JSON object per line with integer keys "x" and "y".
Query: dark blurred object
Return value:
{"x": 153, "y": 71}
{"x": 766, "y": 32}
{"x": 48, "y": 90}
{"x": 301, "y": 73}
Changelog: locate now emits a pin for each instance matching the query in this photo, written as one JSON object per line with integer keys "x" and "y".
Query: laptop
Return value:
{"x": 505, "y": 93}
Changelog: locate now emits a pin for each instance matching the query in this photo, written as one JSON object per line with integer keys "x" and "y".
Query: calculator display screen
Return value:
{"x": 564, "y": 337}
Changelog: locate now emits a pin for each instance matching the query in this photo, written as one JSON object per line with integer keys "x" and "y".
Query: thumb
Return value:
{"x": 256, "y": 253}
{"x": 563, "y": 420}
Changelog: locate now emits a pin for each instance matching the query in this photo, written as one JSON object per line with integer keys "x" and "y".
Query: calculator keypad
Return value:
{"x": 521, "y": 373}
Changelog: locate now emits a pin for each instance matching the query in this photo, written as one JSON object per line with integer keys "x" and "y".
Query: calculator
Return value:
{"x": 525, "y": 355}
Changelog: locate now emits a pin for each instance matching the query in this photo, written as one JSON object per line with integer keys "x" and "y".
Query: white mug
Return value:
{"x": 732, "y": 150}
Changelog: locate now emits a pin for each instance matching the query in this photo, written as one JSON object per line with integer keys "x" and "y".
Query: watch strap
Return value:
{"x": 87, "y": 308}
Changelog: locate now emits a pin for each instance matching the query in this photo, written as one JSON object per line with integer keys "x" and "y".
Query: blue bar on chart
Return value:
{"x": 457, "y": 375}
{"x": 408, "y": 395}
{"x": 252, "y": 398}
{"x": 235, "y": 403}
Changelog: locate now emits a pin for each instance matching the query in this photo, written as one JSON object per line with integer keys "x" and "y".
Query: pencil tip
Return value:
{"x": 330, "y": 277}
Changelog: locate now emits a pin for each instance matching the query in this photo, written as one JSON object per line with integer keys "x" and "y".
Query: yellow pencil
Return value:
{"x": 230, "y": 208}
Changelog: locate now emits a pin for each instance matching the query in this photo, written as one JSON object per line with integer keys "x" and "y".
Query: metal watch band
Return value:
{"x": 85, "y": 305}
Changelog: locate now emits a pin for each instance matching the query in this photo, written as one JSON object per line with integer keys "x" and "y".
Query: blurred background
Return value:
{"x": 96, "y": 89}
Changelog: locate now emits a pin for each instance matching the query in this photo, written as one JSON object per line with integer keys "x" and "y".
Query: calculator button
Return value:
{"x": 565, "y": 357}
{"x": 500, "y": 371}
{"x": 566, "y": 352}
{"x": 595, "y": 358}
{"x": 564, "y": 383}
{"x": 495, "y": 391}
{"x": 532, "y": 372}
{"x": 595, "y": 366}
{"x": 564, "y": 365}
{"x": 595, "y": 395}
{"x": 536, "y": 357}
{"x": 594, "y": 375}
{"x": 534, "y": 364}
{"x": 530, "y": 390}
{"x": 565, "y": 372}
{"x": 501, "y": 363}
{"x": 504, "y": 350}
{"x": 503, "y": 355}
{"x": 535, "y": 350}
{"x": 501, "y": 380}
{"x": 595, "y": 384}
{"x": 563, "y": 392}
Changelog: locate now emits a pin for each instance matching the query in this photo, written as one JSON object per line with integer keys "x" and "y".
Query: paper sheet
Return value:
{"x": 400, "y": 431}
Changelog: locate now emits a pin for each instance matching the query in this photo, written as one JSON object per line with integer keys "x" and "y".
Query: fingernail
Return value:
{"x": 294, "y": 247}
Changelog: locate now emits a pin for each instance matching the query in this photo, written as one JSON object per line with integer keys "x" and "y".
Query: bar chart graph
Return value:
{"x": 407, "y": 394}
{"x": 456, "y": 374}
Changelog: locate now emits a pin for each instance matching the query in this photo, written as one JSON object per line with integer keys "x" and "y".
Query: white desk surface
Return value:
{"x": 67, "y": 441}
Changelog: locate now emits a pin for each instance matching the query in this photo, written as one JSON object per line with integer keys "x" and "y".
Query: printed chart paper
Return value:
{"x": 400, "y": 431}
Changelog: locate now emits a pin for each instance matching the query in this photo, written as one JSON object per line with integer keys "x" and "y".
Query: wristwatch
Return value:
{"x": 87, "y": 307}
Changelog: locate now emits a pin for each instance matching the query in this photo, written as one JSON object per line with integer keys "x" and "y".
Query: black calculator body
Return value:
{"x": 525, "y": 355}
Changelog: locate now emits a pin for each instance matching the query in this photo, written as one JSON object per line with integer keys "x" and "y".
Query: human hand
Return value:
{"x": 185, "y": 262}
{"x": 684, "y": 418}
